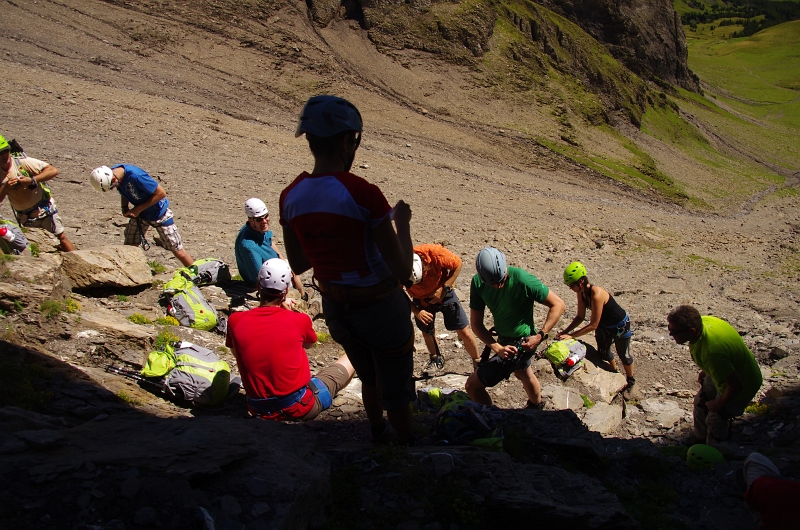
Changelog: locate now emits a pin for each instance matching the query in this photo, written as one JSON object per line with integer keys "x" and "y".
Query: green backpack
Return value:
{"x": 189, "y": 372}
{"x": 186, "y": 303}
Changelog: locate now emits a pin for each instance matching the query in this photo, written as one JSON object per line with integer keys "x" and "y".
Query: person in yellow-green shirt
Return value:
{"x": 729, "y": 374}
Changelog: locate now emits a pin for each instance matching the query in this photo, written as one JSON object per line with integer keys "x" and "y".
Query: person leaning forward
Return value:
{"x": 269, "y": 344}
{"x": 729, "y": 374}
{"x": 435, "y": 272}
{"x": 341, "y": 225}
{"x": 22, "y": 182}
{"x": 509, "y": 293}
{"x": 150, "y": 206}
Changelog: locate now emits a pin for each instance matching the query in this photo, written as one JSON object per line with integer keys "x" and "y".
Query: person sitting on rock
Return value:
{"x": 23, "y": 181}
{"x": 150, "y": 206}
{"x": 509, "y": 293}
{"x": 729, "y": 374}
{"x": 772, "y": 497}
{"x": 269, "y": 345}
{"x": 435, "y": 272}
{"x": 610, "y": 323}
{"x": 254, "y": 244}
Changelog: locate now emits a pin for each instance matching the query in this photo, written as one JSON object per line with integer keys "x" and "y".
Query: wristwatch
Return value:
{"x": 446, "y": 289}
{"x": 544, "y": 335}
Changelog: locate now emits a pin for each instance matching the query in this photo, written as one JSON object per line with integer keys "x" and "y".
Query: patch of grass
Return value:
{"x": 588, "y": 403}
{"x": 694, "y": 258}
{"x": 237, "y": 277}
{"x": 121, "y": 298}
{"x": 165, "y": 336}
{"x": 322, "y": 338}
{"x": 18, "y": 306}
{"x": 51, "y": 308}
{"x": 72, "y": 305}
{"x": 223, "y": 349}
{"x": 138, "y": 318}
{"x": 167, "y": 321}
{"x": 129, "y": 399}
{"x": 5, "y": 258}
{"x": 674, "y": 450}
{"x": 157, "y": 284}
{"x": 156, "y": 267}
{"x": 761, "y": 409}
{"x": 34, "y": 246}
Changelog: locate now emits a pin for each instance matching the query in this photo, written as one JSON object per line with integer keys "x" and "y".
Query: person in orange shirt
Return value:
{"x": 435, "y": 272}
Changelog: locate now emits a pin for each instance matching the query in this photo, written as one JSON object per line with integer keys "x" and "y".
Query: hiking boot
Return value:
{"x": 535, "y": 406}
{"x": 631, "y": 392}
{"x": 383, "y": 435}
{"x": 435, "y": 365}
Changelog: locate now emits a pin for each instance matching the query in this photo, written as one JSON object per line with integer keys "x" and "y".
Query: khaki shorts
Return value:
{"x": 170, "y": 238}
{"x": 335, "y": 378}
{"x": 51, "y": 223}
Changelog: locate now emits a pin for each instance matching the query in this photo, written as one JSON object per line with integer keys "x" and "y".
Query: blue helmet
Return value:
{"x": 491, "y": 265}
{"x": 326, "y": 116}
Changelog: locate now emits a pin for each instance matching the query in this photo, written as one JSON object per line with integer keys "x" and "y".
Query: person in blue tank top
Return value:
{"x": 610, "y": 323}
{"x": 150, "y": 206}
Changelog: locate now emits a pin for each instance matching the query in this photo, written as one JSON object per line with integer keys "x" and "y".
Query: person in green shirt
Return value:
{"x": 729, "y": 374}
{"x": 509, "y": 293}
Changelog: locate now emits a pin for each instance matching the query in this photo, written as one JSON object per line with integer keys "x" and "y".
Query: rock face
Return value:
{"x": 111, "y": 266}
{"x": 32, "y": 280}
{"x": 646, "y": 37}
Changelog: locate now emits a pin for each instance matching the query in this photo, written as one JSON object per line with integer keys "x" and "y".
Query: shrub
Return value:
{"x": 167, "y": 321}
{"x": 138, "y": 318}
{"x": 156, "y": 267}
{"x": 51, "y": 308}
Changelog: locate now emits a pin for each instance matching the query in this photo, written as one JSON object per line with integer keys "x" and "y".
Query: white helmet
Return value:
{"x": 101, "y": 178}
{"x": 416, "y": 269}
{"x": 275, "y": 274}
{"x": 255, "y": 208}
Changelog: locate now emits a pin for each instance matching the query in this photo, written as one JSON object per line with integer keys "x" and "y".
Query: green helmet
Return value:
{"x": 4, "y": 144}
{"x": 702, "y": 456}
{"x": 574, "y": 272}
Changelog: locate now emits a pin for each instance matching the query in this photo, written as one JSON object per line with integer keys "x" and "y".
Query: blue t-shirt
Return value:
{"x": 252, "y": 249}
{"x": 137, "y": 187}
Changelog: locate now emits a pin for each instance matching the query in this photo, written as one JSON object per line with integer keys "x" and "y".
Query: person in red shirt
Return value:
{"x": 269, "y": 345}
{"x": 772, "y": 496}
{"x": 435, "y": 272}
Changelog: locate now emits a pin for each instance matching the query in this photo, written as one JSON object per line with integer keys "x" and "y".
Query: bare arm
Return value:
{"x": 556, "y": 305}
{"x": 396, "y": 247}
{"x": 599, "y": 299}
{"x": 734, "y": 385}
{"x": 479, "y": 328}
{"x": 298, "y": 260}
{"x": 48, "y": 173}
{"x": 157, "y": 195}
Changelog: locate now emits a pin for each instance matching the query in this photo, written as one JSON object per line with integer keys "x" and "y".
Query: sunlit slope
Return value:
{"x": 757, "y": 79}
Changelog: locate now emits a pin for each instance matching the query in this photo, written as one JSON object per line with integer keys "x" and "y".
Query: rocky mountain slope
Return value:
{"x": 205, "y": 97}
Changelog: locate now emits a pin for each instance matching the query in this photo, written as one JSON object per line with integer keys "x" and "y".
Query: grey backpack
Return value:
{"x": 209, "y": 271}
{"x": 20, "y": 242}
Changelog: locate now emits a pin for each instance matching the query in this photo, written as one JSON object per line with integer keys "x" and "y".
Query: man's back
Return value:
{"x": 720, "y": 351}
{"x": 268, "y": 342}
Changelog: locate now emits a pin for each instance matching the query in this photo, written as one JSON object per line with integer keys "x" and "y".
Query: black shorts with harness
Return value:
{"x": 493, "y": 368}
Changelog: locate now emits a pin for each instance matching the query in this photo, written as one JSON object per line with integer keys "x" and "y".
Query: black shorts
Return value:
{"x": 454, "y": 316}
{"x": 495, "y": 369}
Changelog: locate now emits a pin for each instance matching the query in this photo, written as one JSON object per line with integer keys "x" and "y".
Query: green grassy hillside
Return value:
{"x": 755, "y": 84}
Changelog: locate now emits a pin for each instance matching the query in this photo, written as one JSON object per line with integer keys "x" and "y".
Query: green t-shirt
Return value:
{"x": 719, "y": 352}
{"x": 511, "y": 306}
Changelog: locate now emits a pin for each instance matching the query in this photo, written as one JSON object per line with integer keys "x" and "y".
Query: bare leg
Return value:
{"x": 298, "y": 284}
{"x": 400, "y": 419}
{"x": 613, "y": 364}
{"x": 531, "y": 384}
{"x": 477, "y": 392}
{"x": 372, "y": 405}
{"x": 628, "y": 369}
{"x": 66, "y": 245}
{"x": 430, "y": 343}
{"x": 470, "y": 343}
{"x": 183, "y": 257}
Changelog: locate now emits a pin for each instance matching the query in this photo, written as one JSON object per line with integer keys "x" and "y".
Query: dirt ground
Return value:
{"x": 214, "y": 123}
